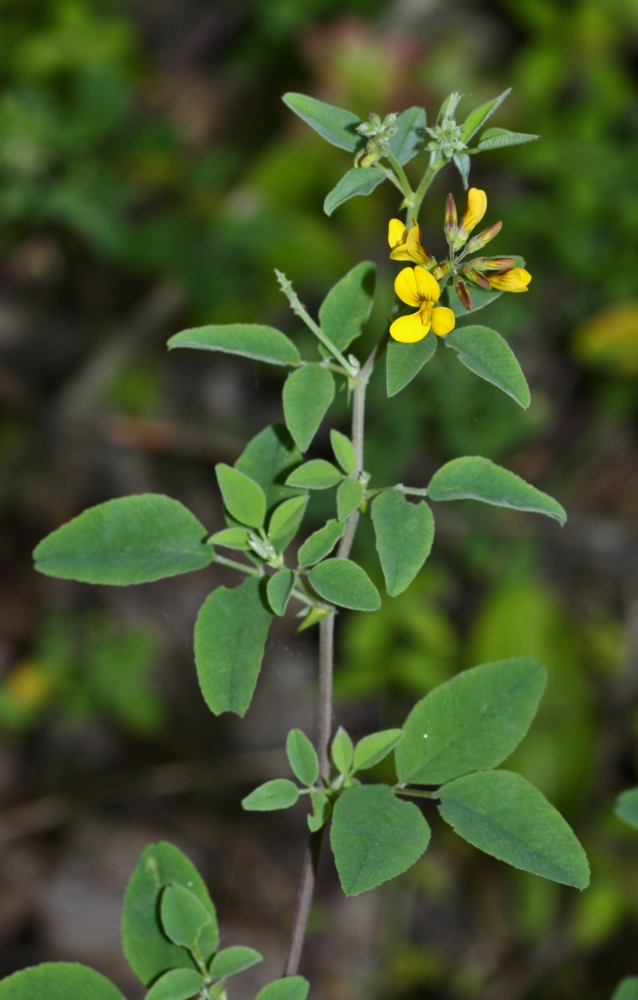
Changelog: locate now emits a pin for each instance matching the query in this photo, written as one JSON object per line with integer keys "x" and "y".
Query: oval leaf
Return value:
{"x": 475, "y": 478}
{"x": 404, "y": 361}
{"x": 346, "y": 307}
{"x": 359, "y": 180}
{"x": 231, "y": 538}
{"x": 230, "y": 634}
{"x": 251, "y": 340}
{"x": 498, "y": 138}
{"x": 343, "y": 582}
{"x": 230, "y": 961}
{"x": 317, "y": 474}
{"x": 145, "y": 945}
{"x": 177, "y": 984}
{"x": 134, "y": 539}
{"x": 321, "y": 810}
{"x": 372, "y": 749}
{"x": 279, "y": 589}
{"x": 502, "y": 814}
{"x": 626, "y": 807}
{"x": 290, "y": 988}
{"x": 627, "y": 989}
{"x": 268, "y": 459}
{"x": 277, "y": 794}
{"x": 409, "y": 136}
{"x": 343, "y": 450}
{"x": 333, "y": 124}
{"x": 302, "y": 757}
{"x": 287, "y": 517}
{"x": 471, "y": 722}
{"x": 58, "y": 981}
{"x": 320, "y": 543}
{"x": 183, "y": 916}
{"x": 485, "y": 353}
{"x": 308, "y": 393}
{"x": 349, "y": 496}
{"x": 404, "y": 533}
{"x": 342, "y": 751}
{"x": 375, "y": 837}
{"x": 244, "y": 499}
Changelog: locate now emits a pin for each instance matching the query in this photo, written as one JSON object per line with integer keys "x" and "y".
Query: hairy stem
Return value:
{"x": 426, "y": 180}
{"x": 326, "y": 663}
{"x": 404, "y": 183}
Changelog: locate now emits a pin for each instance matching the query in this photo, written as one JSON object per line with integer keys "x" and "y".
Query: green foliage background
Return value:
{"x": 151, "y": 179}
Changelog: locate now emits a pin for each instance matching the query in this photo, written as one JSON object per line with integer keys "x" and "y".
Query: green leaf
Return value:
{"x": 349, "y": 496}
{"x": 359, "y": 180}
{"x": 145, "y": 945}
{"x": 342, "y": 751}
{"x": 627, "y": 989}
{"x": 498, "y": 138}
{"x": 343, "y": 450}
{"x": 230, "y": 961}
{"x": 485, "y": 353}
{"x": 268, "y": 459}
{"x": 231, "y": 538}
{"x": 410, "y": 135}
{"x": 244, "y": 499}
{"x": 58, "y": 981}
{"x": 372, "y": 749}
{"x": 334, "y": 124}
{"x": 285, "y": 520}
{"x": 471, "y": 722}
{"x": 404, "y": 533}
{"x": 308, "y": 393}
{"x": 277, "y": 794}
{"x": 502, "y": 814}
{"x": 626, "y": 807}
{"x": 230, "y": 634}
{"x": 315, "y": 475}
{"x": 302, "y": 756}
{"x": 183, "y": 916}
{"x": 134, "y": 539}
{"x": 475, "y": 478}
{"x": 176, "y": 984}
{"x": 480, "y": 297}
{"x": 345, "y": 583}
{"x": 251, "y": 340}
{"x": 321, "y": 811}
{"x": 320, "y": 543}
{"x": 462, "y": 162}
{"x": 375, "y": 837}
{"x": 346, "y": 307}
{"x": 404, "y": 361}
{"x": 289, "y": 988}
{"x": 279, "y": 588}
{"x": 479, "y": 116}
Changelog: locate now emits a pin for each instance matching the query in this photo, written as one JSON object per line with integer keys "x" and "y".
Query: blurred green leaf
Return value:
{"x": 302, "y": 757}
{"x": 176, "y": 984}
{"x": 409, "y": 138}
{"x": 58, "y": 981}
{"x": 230, "y": 961}
{"x": 349, "y": 497}
{"x": 279, "y": 588}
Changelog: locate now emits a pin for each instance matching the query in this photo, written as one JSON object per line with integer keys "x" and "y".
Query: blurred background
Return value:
{"x": 151, "y": 179}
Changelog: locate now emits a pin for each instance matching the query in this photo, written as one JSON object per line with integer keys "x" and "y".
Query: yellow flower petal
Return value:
{"x": 475, "y": 209}
{"x": 427, "y": 285}
{"x": 401, "y": 253}
{"x": 515, "y": 280}
{"x": 409, "y": 329}
{"x": 397, "y": 233}
{"x": 443, "y": 320}
{"x": 406, "y": 287}
{"x": 414, "y": 245}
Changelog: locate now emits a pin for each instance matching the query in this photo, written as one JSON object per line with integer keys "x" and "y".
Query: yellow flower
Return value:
{"x": 417, "y": 287}
{"x": 406, "y": 244}
{"x": 475, "y": 209}
{"x": 515, "y": 280}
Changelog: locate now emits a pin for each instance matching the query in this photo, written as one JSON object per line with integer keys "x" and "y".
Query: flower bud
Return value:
{"x": 478, "y": 242}
{"x": 441, "y": 270}
{"x": 493, "y": 263}
{"x": 475, "y": 209}
{"x": 450, "y": 220}
{"x": 472, "y": 274}
{"x": 463, "y": 293}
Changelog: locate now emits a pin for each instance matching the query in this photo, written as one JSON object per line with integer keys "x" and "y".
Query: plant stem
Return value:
{"x": 403, "y": 180}
{"x": 426, "y": 180}
{"x": 326, "y": 663}
{"x": 298, "y": 309}
{"x": 242, "y": 567}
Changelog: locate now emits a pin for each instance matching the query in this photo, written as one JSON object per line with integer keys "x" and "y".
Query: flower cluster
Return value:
{"x": 421, "y": 286}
